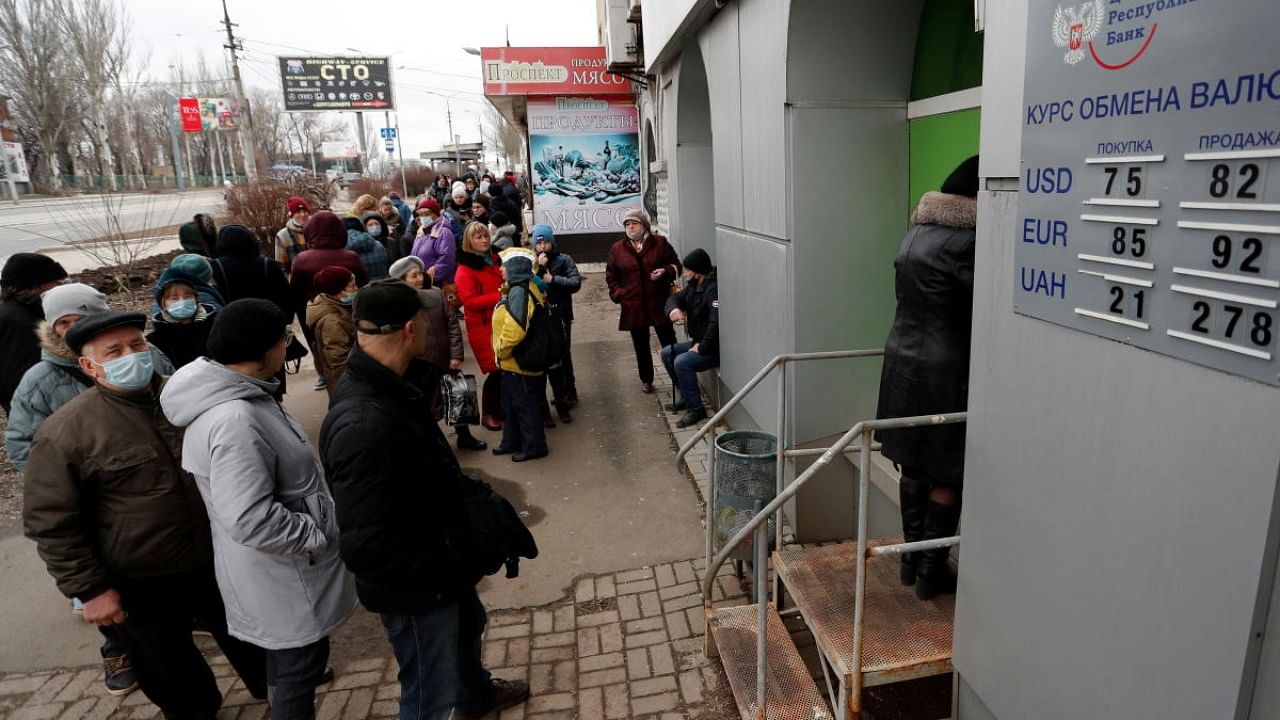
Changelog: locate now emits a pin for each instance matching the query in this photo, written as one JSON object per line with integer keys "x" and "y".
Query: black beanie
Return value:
{"x": 698, "y": 261}
{"x": 245, "y": 330}
{"x": 963, "y": 180}
{"x": 23, "y": 271}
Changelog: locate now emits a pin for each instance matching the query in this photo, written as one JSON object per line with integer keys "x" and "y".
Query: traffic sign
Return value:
{"x": 388, "y": 133}
{"x": 391, "y": 146}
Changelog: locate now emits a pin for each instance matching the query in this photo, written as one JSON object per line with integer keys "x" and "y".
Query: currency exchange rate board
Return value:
{"x": 1149, "y": 203}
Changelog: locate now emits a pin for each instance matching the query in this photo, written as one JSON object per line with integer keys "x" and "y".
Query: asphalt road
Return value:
{"x": 48, "y": 224}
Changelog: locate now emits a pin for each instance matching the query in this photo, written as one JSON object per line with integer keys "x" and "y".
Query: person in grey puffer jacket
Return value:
{"x": 57, "y": 378}
{"x": 274, "y": 529}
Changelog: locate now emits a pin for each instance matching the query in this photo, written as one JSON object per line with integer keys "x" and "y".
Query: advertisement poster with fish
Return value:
{"x": 586, "y": 162}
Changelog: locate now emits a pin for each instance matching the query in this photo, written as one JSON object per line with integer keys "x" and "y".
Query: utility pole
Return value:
{"x": 246, "y": 115}
{"x": 171, "y": 120}
{"x": 364, "y": 143}
{"x": 404, "y": 184}
{"x": 457, "y": 155}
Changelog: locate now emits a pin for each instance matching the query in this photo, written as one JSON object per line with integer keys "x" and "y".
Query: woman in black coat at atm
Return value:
{"x": 926, "y": 371}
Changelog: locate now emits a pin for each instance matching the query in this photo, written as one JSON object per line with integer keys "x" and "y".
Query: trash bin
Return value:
{"x": 746, "y": 481}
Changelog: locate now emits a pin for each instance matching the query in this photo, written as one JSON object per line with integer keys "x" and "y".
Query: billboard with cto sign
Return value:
{"x": 317, "y": 84}
{"x": 549, "y": 71}
{"x": 586, "y": 161}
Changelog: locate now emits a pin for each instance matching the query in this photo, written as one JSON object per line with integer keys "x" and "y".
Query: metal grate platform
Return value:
{"x": 790, "y": 692}
{"x": 903, "y": 638}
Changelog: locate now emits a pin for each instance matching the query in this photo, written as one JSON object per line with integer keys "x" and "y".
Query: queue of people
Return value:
{"x": 167, "y": 485}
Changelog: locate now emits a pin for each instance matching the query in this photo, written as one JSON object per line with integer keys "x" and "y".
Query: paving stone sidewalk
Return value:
{"x": 623, "y": 645}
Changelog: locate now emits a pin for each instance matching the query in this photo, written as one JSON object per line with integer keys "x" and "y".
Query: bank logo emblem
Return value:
{"x": 1074, "y": 27}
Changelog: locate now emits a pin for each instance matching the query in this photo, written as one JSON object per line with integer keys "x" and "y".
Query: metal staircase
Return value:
{"x": 868, "y": 628}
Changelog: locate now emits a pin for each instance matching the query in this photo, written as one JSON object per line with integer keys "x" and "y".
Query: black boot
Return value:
{"x": 562, "y": 410}
{"x": 933, "y": 575}
{"x": 467, "y": 441}
{"x": 913, "y": 496}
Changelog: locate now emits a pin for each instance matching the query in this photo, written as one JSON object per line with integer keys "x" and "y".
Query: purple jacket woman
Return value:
{"x": 437, "y": 249}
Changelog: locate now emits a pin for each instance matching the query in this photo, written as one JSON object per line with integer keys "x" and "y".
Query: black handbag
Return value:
{"x": 461, "y": 404}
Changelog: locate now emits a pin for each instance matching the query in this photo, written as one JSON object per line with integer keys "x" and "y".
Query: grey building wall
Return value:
{"x": 1119, "y": 504}
{"x": 785, "y": 130}
{"x": 1266, "y": 699}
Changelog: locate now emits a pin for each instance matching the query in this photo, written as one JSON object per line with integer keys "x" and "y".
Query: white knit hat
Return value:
{"x": 72, "y": 299}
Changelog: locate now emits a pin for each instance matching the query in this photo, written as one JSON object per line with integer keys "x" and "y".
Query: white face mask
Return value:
{"x": 636, "y": 234}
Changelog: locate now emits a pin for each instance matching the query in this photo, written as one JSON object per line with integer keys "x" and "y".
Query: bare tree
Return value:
{"x": 505, "y": 137}
{"x": 270, "y": 133}
{"x": 96, "y": 32}
{"x": 35, "y": 72}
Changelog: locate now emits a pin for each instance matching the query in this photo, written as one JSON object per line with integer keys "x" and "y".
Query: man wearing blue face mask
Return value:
{"x": 122, "y": 526}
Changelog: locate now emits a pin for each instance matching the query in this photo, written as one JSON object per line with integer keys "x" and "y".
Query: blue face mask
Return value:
{"x": 182, "y": 309}
{"x": 348, "y": 298}
{"x": 130, "y": 372}
{"x": 375, "y": 231}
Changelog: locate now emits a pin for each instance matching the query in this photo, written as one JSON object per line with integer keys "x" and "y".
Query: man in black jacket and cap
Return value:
{"x": 402, "y": 522}
{"x": 25, "y": 277}
{"x": 698, "y": 306}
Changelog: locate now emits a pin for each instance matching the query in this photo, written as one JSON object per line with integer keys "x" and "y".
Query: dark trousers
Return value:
{"x": 522, "y": 399}
{"x": 563, "y": 382}
{"x": 491, "y": 395}
{"x": 170, "y": 669}
{"x": 644, "y": 356}
{"x": 683, "y": 367}
{"x": 292, "y": 677}
{"x": 438, "y": 652}
{"x": 112, "y": 643}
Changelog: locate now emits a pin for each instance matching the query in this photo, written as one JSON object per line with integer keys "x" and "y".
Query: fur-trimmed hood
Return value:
{"x": 54, "y": 348}
{"x": 955, "y": 211}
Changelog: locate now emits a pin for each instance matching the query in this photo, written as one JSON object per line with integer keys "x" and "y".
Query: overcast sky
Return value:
{"x": 423, "y": 37}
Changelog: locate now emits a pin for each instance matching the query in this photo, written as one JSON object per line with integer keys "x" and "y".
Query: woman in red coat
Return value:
{"x": 639, "y": 273}
{"x": 479, "y": 279}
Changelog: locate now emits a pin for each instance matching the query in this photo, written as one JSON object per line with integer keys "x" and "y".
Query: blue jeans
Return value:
{"x": 439, "y": 656}
{"x": 683, "y": 367}
{"x": 292, "y": 677}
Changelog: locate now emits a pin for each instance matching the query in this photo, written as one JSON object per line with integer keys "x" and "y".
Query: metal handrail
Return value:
{"x": 761, "y": 549}
{"x": 827, "y": 456}
{"x": 863, "y": 430}
{"x": 777, "y": 361}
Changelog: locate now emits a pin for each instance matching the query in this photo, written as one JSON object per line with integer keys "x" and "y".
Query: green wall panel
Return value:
{"x": 938, "y": 145}
{"x": 948, "y": 51}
